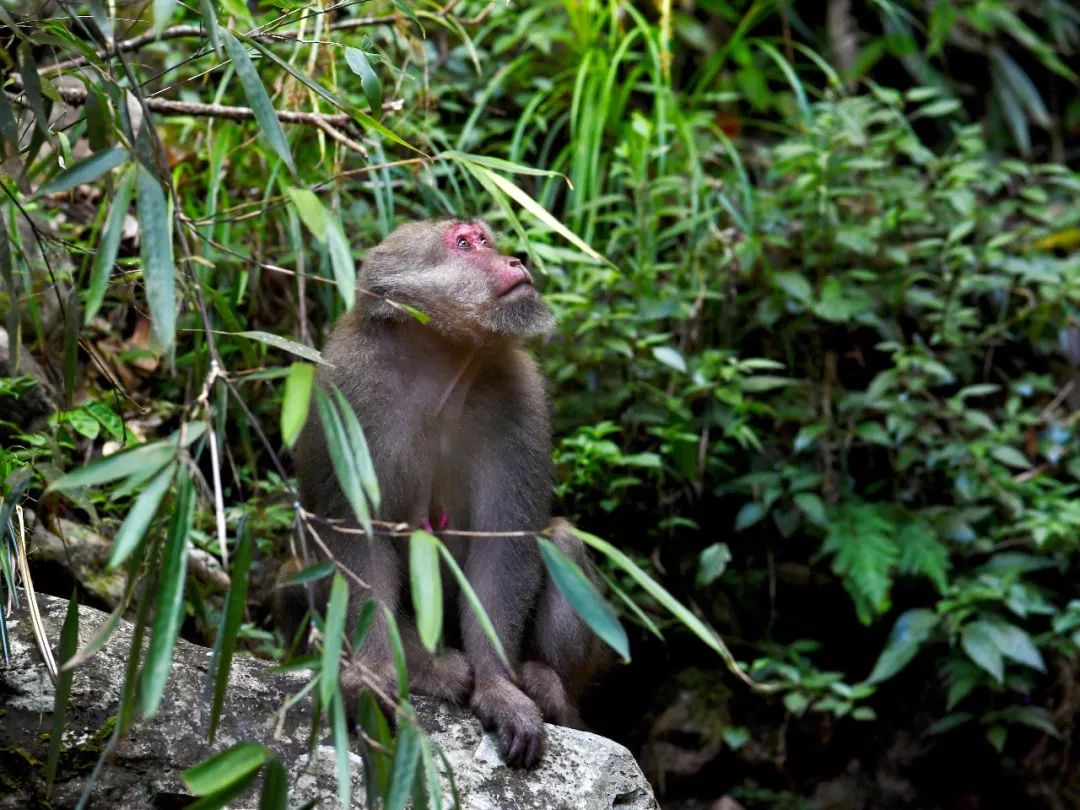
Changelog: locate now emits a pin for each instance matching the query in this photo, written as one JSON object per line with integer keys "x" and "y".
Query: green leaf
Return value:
{"x": 426, "y": 585}
{"x": 361, "y": 456}
{"x": 1011, "y": 457}
{"x": 369, "y": 82}
{"x": 811, "y": 505}
{"x": 748, "y": 515}
{"x": 1016, "y": 645}
{"x": 86, "y": 170}
{"x": 922, "y": 553}
{"x": 316, "y": 571}
{"x": 796, "y": 286}
{"x": 432, "y": 786}
{"x": 333, "y": 636}
{"x": 475, "y": 605}
{"x": 311, "y": 210}
{"x": 139, "y": 517}
{"x": 670, "y": 357}
{"x": 275, "y": 790}
{"x": 169, "y": 601}
{"x": 83, "y": 423}
{"x": 529, "y": 204}
{"x": 296, "y": 401}
{"x": 31, "y": 82}
{"x": 342, "y": 460}
{"x": 583, "y": 596}
{"x": 403, "y": 773}
{"x": 106, "y": 417}
{"x": 657, "y": 592}
{"x": 163, "y": 12}
{"x": 225, "y": 768}
{"x": 912, "y": 629}
{"x": 341, "y": 747}
{"x": 156, "y": 251}
{"x": 69, "y": 642}
{"x": 138, "y": 460}
{"x": 232, "y": 615}
{"x": 862, "y": 539}
{"x": 257, "y": 97}
{"x": 712, "y": 563}
{"x": 286, "y": 345}
{"x": 341, "y": 261}
{"x": 979, "y": 642}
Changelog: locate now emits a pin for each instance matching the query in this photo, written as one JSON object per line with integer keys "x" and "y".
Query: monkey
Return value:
{"x": 456, "y": 417}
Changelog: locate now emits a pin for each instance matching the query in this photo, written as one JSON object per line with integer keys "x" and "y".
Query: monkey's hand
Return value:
{"x": 517, "y": 721}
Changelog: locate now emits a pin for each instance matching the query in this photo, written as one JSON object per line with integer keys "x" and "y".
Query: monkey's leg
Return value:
{"x": 505, "y": 573}
{"x": 446, "y": 675}
{"x": 372, "y": 666}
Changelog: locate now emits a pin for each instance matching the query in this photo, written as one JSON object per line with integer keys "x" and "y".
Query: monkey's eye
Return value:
{"x": 483, "y": 241}
{"x": 463, "y": 243}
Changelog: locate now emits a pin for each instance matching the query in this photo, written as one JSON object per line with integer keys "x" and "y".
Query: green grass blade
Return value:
{"x": 140, "y": 516}
{"x": 156, "y": 251}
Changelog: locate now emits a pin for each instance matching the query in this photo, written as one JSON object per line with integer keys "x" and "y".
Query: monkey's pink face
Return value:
{"x": 506, "y": 275}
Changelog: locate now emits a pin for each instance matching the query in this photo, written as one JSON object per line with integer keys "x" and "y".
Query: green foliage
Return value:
{"x": 807, "y": 320}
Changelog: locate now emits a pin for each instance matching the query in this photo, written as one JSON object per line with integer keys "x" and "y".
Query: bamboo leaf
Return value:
{"x": 426, "y": 582}
{"x": 361, "y": 456}
{"x": 275, "y": 790}
{"x": 341, "y": 261}
{"x": 333, "y": 636}
{"x": 169, "y": 602}
{"x": 69, "y": 642}
{"x": 105, "y": 258}
{"x": 369, "y": 81}
{"x": 406, "y": 758}
{"x": 258, "y": 98}
{"x": 163, "y": 12}
{"x": 341, "y": 747}
{"x": 156, "y": 250}
{"x": 224, "y": 769}
{"x": 140, "y": 516}
{"x": 86, "y": 170}
{"x": 584, "y": 598}
{"x": 296, "y": 401}
{"x": 474, "y": 604}
{"x": 231, "y": 617}
{"x": 145, "y": 457}
{"x": 286, "y": 345}
{"x": 311, "y": 210}
{"x": 341, "y": 458}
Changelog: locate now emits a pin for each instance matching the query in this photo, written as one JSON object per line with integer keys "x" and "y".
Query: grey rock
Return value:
{"x": 579, "y": 770}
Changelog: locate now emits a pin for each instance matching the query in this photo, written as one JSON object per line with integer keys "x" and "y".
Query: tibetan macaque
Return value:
{"x": 456, "y": 418}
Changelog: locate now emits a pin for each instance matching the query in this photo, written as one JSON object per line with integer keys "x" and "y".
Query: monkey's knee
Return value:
{"x": 546, "y": 688}
{"x": 447, "y": 676}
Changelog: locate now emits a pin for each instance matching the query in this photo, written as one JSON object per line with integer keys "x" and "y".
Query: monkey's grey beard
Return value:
{"x": 526, "y": 317}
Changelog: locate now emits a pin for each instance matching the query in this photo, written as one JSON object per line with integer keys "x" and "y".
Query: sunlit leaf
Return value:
{"x": 295, "y": 401}
{"x": 225, "y": 768}
{"x": 369, "y": 82}
{"x": 427, "y": 595}
{"x": 286, "y": 345}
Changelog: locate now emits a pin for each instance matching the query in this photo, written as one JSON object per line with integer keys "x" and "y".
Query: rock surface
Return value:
{"x": 579, "y": 770}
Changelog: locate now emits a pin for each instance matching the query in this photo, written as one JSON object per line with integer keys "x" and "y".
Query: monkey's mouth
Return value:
{"x": 517, "y": 287}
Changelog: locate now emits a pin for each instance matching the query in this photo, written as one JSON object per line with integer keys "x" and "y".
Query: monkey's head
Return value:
{"x": 451, "y": 271}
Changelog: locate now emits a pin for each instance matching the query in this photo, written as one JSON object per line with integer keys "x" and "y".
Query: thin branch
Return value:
{"x": 77, "y": 96}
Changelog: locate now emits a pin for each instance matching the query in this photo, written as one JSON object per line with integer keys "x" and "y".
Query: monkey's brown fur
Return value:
{"x": 456, "y": 418}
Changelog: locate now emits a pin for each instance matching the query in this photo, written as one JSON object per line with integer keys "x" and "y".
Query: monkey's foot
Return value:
{"x": 543, "y": 684}
{"x": 447, "y": 676}
{"x": 516, "y": 720}
{"x": 380, "y": 678}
